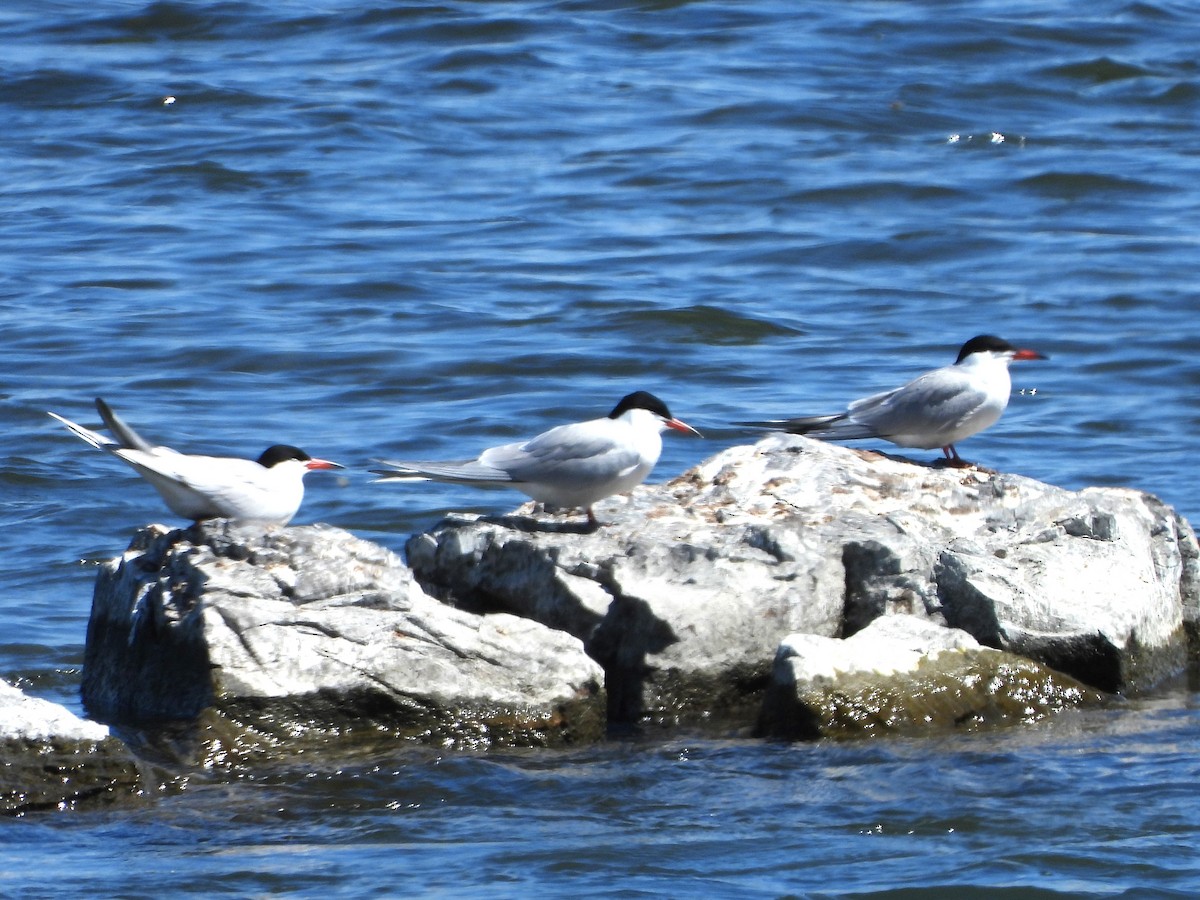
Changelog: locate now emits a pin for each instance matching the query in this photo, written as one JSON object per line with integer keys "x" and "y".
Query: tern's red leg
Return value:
{"x": 953, "y": 459}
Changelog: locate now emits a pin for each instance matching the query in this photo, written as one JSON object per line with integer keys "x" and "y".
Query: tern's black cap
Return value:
{"x": 281, "y": 453}
{"x": 640, "y": 400}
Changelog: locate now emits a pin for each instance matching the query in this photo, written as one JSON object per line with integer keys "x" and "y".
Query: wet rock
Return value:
{"x": 1190, "y": 585}
{"x": 902, "y": 674}
{"x": 281, "y": 640}
{"x": 688, "y": 591}
{"x": 52, "y": 759}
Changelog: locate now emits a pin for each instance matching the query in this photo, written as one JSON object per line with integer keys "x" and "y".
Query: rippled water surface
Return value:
{"x": 401, "y": 230}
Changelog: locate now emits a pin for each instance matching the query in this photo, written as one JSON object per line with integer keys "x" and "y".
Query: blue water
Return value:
{"x": 417, "y": 230}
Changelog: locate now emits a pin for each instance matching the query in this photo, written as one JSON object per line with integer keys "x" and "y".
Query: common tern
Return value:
{"x": 938, "y": 409}
{"x": 569, "y": 466}
{"x": 268, "y": 489}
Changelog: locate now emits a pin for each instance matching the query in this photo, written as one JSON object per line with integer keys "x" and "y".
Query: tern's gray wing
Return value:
{"x": 577, "y": 453}
{"x": 204, "y": 487}
{"x": 227, "y": 480}
{"x": 937, "y": 401}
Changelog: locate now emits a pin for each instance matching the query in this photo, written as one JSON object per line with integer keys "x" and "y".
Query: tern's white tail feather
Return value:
{"x": 98, "y": 441}
{"x": 467, "y": 471}
{"x": 127, "y": 438}
{"x": 837, "y": 426}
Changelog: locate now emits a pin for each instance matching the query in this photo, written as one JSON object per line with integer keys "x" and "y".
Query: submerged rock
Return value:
{"x": 52, "y": 759}
{"x": 279, "y": 641}
{"x": 902, "y": 674}
{"x": 686, "y": 595}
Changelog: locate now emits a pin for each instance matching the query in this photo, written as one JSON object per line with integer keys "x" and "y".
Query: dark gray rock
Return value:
{"x": 688, "y": 591}
{"x": 55, "y": 760}
{"x": 277, "y": 640}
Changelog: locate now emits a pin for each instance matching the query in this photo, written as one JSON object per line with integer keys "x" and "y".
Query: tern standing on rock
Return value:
{"x": 569, "y": 466}
{"x": 938, "y": 409}
{"x": 268, "y": 489}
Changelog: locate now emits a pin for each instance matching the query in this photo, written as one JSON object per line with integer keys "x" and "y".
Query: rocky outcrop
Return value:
{"x": 902, "y": 674}
{"x": 686, "y": 595}
{"x": 710, "y": 600}
{"x": 302, "y": 639}
{"x": 55, "y": 760}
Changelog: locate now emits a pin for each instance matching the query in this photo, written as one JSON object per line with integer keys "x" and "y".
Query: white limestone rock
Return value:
{"x": 25, "y": 718}
{"x": 53, "y": 759}
{"x": 295, "y": 634}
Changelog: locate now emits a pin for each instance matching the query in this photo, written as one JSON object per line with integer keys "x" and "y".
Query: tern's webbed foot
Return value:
{"x": 960, "y": 463}
{"x": 955, "y": 462}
